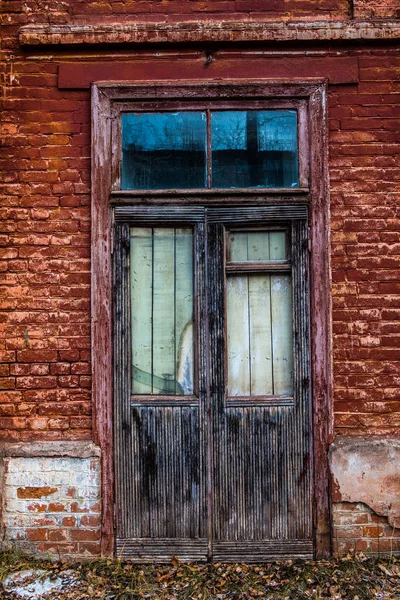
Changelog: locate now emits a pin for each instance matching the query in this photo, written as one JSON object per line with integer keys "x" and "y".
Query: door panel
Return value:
{"x": 167, "y": 483}
{"x": 262, "y": 471}
{"x": 160, "y": 429}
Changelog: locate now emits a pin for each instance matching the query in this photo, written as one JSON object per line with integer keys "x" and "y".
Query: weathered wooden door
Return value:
{"x": 212, "y": 401}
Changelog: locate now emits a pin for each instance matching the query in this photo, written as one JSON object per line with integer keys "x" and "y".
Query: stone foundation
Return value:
{"x": 51, "y": 504}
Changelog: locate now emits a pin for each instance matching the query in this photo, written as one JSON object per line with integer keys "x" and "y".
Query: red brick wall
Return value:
{"x": 45, "y": 250}
{"x": 365, "y": 194}
{"x": 45, "y": 242}
{"x": 358, "y": 529}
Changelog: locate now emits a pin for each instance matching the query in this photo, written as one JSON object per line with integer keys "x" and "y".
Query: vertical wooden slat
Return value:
{"x": 260, "y": 335}
{"x": 258, "y": 246}
{"x": 164, "y": 310}
{"x": 238, "y": 246}
{"x": 122, "y": 380}
{"x": 184, "y": 309}
{"x": 237, "y": 309}
{"x": 218, "y": 466}
{"x": 141, "y": 308}
{"x": 202, "y": 510}
{"x": 277, "y": 245}
{"x": 281, "y": 320}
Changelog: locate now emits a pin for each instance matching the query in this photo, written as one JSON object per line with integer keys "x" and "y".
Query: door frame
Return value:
{"x": 105, "y": 96}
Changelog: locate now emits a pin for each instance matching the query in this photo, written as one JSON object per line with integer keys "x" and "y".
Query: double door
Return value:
{"x": 212, "y": 406}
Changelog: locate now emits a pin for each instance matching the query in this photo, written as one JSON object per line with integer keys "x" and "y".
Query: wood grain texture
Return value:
{"x": 200, "y": 31}
{"x": 101, "y": 309}
{"x": 261, "y": 383}
{"x": 163, "y": 308}
{"x": 141, "y": 290}
{"x": 261, "y": 453}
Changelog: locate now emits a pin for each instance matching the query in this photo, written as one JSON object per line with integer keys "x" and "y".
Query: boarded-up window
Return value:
{"x": 259, "y": 314}
{"x": 162, "y": 310}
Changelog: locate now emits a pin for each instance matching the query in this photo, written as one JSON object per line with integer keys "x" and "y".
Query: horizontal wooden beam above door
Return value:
{"x": 80, "y": 75}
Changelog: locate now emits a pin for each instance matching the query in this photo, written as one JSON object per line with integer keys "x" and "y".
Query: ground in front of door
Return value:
{"x": 354, "y": 577}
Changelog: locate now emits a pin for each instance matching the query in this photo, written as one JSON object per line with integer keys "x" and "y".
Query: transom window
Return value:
{"x": 210, "y": 149}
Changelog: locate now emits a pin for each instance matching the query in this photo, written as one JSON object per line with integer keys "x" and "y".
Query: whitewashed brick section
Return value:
{"x": 52, "y": 505}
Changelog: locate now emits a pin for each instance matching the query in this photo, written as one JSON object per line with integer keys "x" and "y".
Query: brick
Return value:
{"x": 37, "y": 535}
{"x": 84, "y": 535}
{"x": 56, "y": 507}
{"x": 90, "y": 521}
{"x": 58, "y": 535}
{"x": 35, "y": 492}
{"x": 372, "y": 532}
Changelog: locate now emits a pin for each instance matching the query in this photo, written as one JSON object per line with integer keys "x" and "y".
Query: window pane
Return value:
{"x": 259, "y": 326}
{"x": 254, "y": 149}
{"x": 162, "y": 310}
{"x": 163, "y": 151}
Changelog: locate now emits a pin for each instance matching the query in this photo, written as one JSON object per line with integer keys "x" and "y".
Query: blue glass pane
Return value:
{"x": 254, "y": 149}
{"x": 164, "y": 151}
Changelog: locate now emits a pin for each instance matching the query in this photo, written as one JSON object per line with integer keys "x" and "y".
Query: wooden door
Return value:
{"x": 212, "y": 460}
{"x": 259, "y": 389}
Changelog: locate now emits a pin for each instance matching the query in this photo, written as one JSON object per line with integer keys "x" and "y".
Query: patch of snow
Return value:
{"x": 34, "y": 584}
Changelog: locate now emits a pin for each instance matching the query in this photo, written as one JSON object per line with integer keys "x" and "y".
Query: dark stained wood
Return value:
{"x": 257, "y": 267}
{"x": 263, "y": 551}
{"x": 253, "y": 215}
{"x": 211, "y": 197}
{"x": 262, "y": 475}
{"x": 259, "y": 401}
{"x": 162, "y": 550}
{"x": 160, "y": 442}
{"x": 162, "y": 214}
{"x": 123, "y": 454}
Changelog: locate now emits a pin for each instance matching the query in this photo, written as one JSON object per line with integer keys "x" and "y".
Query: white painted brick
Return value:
{"x": 89, "y": 492}
{"x": 16, "y": 533}
{"x": 20, "y": 514}
{"x": 15, "y": 506}
{"x": 80, "y": 479}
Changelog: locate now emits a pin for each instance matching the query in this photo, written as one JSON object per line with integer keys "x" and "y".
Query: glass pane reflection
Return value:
{"x": 254, "y": 149}
{"x": 164, "y": 151}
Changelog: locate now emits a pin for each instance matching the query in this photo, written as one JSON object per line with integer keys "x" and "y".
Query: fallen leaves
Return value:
{"x": 349, "y": 578}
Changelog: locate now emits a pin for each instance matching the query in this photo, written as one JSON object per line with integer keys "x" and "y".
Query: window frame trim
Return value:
{"x": 105, "y": 96}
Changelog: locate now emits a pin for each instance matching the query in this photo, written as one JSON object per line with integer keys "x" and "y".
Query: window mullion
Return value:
{"x": 209, "y": 155}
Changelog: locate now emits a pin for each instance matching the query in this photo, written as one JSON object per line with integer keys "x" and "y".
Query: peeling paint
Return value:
{"x": 368, "y": 471}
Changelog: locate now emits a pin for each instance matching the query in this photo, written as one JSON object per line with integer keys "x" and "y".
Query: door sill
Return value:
{"x": 163, "y": 550}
